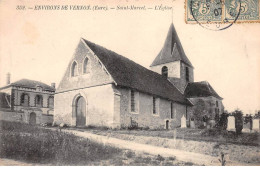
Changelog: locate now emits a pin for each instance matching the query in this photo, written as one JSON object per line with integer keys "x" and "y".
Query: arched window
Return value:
{"x": 85, "y": 65}
{"x": 74, "y": 69}
{"x": 165, "y": 71}
{"x": 38, "y": 101}
{"x": 25, "y": 99}
{"x": 51, "y": 102}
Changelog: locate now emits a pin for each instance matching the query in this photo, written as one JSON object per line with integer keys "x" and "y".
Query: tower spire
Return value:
{"x": 172, "y": 50}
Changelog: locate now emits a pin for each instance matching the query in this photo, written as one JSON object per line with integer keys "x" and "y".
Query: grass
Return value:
{"x": 208, "y": 135}
{"x": 35, "y": 144}
{"x": 242, "y": 148}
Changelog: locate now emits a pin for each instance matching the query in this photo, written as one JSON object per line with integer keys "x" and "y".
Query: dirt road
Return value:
{"x": 196, "y": 158}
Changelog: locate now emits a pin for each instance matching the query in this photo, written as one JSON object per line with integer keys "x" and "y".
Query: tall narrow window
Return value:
{"x": 51, "y": 102}
{"x": 25, "y": 99}
{"x": 172, "y": 116}
{"x": 155, "y": 106}
{"x": 217, "y": 103}
{"x": 132, "y": 101}
{"x": 38, "y": 101}
{"x": 74, "y": 69}
{"x": 165, "y": 71}
{"x": 187, "y": 74}
{"x": 85, "y": 65}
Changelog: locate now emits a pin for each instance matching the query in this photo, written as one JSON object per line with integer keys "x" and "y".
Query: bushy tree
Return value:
{"x": 199, "y": 111}
{"x": 238, "y": 121}
{"x": 223, "y": 120}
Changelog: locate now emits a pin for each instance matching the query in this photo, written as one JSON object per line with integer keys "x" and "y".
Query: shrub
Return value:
{"x": 129, "y": 154}
{"x": 160, "y": 158}
{"x": 222, "y": 123}
{"x": 238, "y": 121}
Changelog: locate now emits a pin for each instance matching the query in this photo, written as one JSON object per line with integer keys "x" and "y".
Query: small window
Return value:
{"x": 25, "y": 99}
{"x": 74, "y": 69}
{"x": 155, "y": 106}
{"x": 187, "y": 74}
{"x": 132, "y": 101}
{"x": 165, "y": 71}
{"x": 51, "y": 102}
{"x": 38, "y": 101}
{"x": 172, "y": 113}
{"x": 38, "y": 88}
{"x": 85, "y": 65}
{"x": 217, "y": 103}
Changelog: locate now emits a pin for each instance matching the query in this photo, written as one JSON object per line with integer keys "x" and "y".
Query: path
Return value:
{"x": 196, "y": 158}
{"x": 10, "y": 162}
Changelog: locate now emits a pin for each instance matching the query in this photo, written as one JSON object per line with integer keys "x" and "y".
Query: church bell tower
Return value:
{"x": 172, "y": 62}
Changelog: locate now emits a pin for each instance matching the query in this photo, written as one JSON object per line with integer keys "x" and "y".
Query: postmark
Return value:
{"x": 222, "y": 13}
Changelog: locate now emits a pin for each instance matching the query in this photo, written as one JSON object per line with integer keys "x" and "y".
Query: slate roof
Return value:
{"x": 200, "y": 89}
{"x": 129, "y": 74}
{"x": 32, "y": 84}
{"x": 172, "y": 50}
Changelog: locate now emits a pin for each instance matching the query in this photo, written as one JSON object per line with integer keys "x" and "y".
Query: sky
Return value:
{"x": 38, "y": 44}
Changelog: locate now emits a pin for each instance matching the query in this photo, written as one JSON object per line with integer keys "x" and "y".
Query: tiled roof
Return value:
{"x": 200, "y": 89}
{"x": 32, "y": 84}
{"x": 129, "y": 74}
{"x": 172, "y": 50}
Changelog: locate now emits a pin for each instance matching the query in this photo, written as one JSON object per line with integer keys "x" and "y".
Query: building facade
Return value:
{"x": 103, "y": 88}
{"x": 27, "y": 101}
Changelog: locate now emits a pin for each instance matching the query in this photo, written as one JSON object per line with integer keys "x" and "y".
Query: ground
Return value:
{"x": 22, "y": 144}
{"x": 239, "y": 148}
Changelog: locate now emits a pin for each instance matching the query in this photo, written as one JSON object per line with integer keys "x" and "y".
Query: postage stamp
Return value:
{"x": 249, "y": 10}
{"x": 221, "y": 11}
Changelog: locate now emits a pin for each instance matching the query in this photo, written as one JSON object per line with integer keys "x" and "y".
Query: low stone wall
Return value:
{"x": 47, "y": 118}
{"x": 11, "y": 116}
{"x": 18, "y": 116}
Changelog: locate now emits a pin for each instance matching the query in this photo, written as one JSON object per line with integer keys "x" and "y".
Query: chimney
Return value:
{"x": 53, "y": 85}
{"x": 8, "y": 77}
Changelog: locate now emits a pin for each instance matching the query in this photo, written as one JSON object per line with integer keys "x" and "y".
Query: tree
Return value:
{"x": 238, "y": 121}
{"x": 199, "y": 111}
{"x": 222, "y": 123}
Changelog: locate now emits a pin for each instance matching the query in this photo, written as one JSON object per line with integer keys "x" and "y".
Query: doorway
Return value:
{"x": 167, "y": 125}
{"x": 80, "y": 111}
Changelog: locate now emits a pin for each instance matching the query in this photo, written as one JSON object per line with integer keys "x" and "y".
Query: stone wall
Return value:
{"x": 96, "y": 73}
{"x": 24, "y": 116}
{"x": 99, "y": 106}
{"x": 181, "y": 82}
{"x": 176, "y": 73}
{"x": 145, "y": 117}
{"x": 174, "y": 69}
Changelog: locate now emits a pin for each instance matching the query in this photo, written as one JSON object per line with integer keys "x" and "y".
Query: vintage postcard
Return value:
{"x": 129, "y": 83}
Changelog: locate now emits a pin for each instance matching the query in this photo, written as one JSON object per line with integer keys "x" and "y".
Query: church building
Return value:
{"x": 103, "y": 88}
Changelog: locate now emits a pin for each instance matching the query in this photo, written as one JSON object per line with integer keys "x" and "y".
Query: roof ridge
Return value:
{"x": 125, "y": 58}
{"x": 128, "y": 73}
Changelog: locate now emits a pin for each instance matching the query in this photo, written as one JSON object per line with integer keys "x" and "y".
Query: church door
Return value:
{"x": 81, "y": 112}
{"x": 32, "y": 119}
